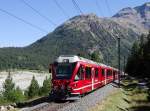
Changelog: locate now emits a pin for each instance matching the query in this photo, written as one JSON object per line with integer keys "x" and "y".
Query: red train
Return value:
{"x": 74, "y": 76}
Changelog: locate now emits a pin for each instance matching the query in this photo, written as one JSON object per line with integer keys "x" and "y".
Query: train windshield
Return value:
{"x": 64, "y": 70}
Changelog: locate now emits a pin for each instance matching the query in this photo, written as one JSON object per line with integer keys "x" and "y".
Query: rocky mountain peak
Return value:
{"x": 126, "y": 12}
{"x": 143, "y": 9}
{"x": 147, "y": 5}
{"x": 84, "y": 17}
{"x": 81, "y": 22}
{"x": 137, "y": 18}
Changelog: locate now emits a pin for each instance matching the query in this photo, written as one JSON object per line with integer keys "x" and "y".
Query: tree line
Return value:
{"x": 138, "y": 63}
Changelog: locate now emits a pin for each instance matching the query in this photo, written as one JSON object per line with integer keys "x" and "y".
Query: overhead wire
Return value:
{"x": 117, "y": 41}
{"x": 61, "y": 9}
{"x": 22, "y": 20}
{"x": 98, "y": 7}
{"x": 108, "y": 7}
{"x": 77, "y": 7}
{"x": 79, "y": 10}
{"x": 39, "y": 13}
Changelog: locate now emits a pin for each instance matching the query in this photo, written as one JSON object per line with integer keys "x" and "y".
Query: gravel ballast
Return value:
{"x": 83, "y": 104}
{"x": 90, "y": 100}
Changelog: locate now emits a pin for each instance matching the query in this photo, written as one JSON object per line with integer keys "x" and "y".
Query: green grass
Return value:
{"x": 128, "y": 98}
{"x": 114, "y": 102}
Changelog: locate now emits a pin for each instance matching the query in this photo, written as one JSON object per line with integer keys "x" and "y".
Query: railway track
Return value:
{"x": 47, "y": 106}
{"x": 82, "y": 104}
{"x": 44, "y": 104}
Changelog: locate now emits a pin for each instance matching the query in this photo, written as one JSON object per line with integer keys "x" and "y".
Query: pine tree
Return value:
{"x": 10, "y": 93}
{"x": 139, "y": 60}
{"x": 132, "y": 63}
{"x": 19, "y": 95}
{"x": 16, "y": 95}
{"x": 8, "y": 86}
{"x": 33, "y": 89}
{"x": 97, "y": 56}
{"x": 135, "y": 49}
{"x": 45, "y": 89}
{"x": 146, "y": 56}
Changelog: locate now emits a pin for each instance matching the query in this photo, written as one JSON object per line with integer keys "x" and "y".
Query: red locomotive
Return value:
{"x": 73, "y": 75}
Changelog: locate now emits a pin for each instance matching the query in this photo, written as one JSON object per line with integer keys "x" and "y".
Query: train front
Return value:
{"x": 62, "y": 72}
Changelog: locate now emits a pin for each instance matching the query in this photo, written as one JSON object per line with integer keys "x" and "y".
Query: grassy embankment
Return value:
{"x": 130, "y": 97}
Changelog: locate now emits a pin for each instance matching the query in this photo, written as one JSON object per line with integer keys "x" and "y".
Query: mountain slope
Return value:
{"x": 81, "y": 34}
{"x": 137, "y": 18}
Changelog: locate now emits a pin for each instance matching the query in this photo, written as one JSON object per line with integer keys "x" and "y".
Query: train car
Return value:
{"x": 75, "y": 76}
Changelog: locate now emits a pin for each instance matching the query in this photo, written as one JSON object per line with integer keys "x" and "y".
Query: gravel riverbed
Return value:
{"x": 23, "y": 78}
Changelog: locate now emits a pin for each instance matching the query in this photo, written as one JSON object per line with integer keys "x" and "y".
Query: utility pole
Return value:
{"x": 119, "y": 61}
{"x": 107, "y": 60}
{"x": 124, "y": 62}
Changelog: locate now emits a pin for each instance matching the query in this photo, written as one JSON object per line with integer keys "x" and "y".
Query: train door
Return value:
{"x": 88, "y": 78}
{"x": 96, "y": 78}
{"x": 103, "y": 76}
{"x": 109, "y": 75}
{"x": 93, "y": 78}
{"x": 114, "y": 73}
{"x": 79, "y": 79}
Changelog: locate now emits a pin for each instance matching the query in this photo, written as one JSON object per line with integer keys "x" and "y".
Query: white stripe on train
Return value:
{"x": 90, "y": 85}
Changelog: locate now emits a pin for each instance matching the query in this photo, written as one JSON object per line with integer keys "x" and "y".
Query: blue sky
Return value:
{"x": 16, "y": 33}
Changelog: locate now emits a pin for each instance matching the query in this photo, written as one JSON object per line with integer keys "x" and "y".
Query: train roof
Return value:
{"x": 75, "y": 58}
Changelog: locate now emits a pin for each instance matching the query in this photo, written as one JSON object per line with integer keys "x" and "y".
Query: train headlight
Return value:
{"x": 55, "y": 87}
{"x": 69, "y": 88}
{"x": 62, "y": 87}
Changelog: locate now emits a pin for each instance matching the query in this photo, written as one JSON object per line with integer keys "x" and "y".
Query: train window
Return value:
{"x": 88, "y": 72}
{"x": 64, "y": 70}
{"x": 103, "y": 72}
{"x": 114, "y": 73}
{"x": 96, "y": 72}
{"x": 79, "y": 75}
{"x": 109, "y": 72}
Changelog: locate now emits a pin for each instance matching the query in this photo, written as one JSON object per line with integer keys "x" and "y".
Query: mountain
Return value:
{"x": 83, "y": 35}
{"x": 137, "y": 18}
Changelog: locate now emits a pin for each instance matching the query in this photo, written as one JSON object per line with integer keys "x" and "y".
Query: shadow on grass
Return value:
{"x": 143, "y": 102}
{"x": 121, "y": 109}
{"x": 117, "y": 85}
{"x": 127, "y": 93}
{"x": 34, "y": 102}
{"x": 126, "y": 100}
{"x": 130, "y": 87}
{"x": 138, "y": 105}
{"x": 47, "y": 99}
{"x": 140, "y": 108}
